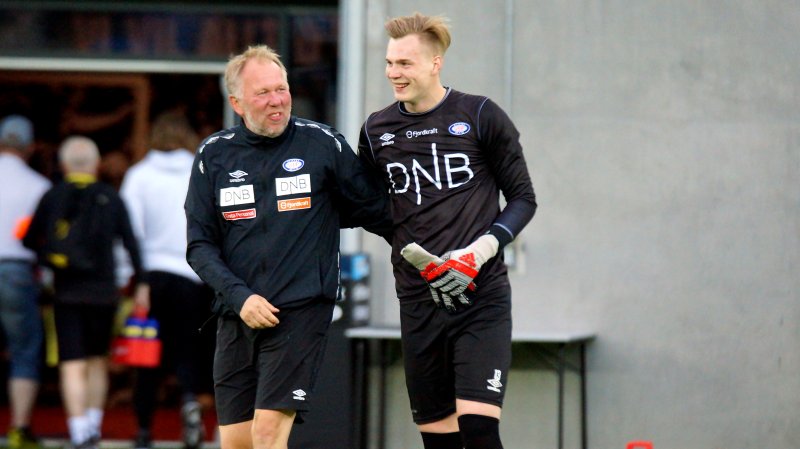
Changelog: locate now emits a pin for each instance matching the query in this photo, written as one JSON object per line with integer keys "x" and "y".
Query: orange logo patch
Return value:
{"x": 294, "y": 204}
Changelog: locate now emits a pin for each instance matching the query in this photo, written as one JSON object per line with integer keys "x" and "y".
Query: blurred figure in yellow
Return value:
{"x": 73, "y": 231}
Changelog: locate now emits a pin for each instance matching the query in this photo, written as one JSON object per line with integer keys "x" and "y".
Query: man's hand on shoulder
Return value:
{"x": 258, "y": 313}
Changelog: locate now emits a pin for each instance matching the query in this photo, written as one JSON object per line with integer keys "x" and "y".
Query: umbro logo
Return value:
{"x": 494, "y": 383}
{"x": 387, "y": 139}
{"x": 237, "y": 176}
{"x": 299, "y": 395}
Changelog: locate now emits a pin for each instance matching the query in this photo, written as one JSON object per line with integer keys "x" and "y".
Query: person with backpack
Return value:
{"x": 73, "y": 232}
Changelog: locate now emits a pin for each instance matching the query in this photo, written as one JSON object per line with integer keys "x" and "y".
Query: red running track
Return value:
{"x": 119, "y": 423}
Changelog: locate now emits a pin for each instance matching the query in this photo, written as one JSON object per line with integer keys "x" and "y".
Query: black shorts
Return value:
{"x": 271, "y": 369}
{"x": 465, "y": 355}
{"x": 83, "y": 330}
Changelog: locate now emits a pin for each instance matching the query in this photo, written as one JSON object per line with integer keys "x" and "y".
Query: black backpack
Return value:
{"x": 73, "y": 240}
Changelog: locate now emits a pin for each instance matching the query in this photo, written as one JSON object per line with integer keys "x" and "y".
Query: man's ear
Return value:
{"x": 235, "y": 104}
{"x": 438, "y": 62}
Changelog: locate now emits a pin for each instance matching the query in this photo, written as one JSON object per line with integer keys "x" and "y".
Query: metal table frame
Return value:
{"x": 361, "y": 336}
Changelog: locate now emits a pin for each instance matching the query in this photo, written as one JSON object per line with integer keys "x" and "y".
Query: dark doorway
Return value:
{"x": 113, "y": 109}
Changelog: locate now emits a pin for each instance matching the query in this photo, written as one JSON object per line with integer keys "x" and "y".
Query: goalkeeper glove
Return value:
{"x": 462, "y": 266}
{"x": 427, "y": 262}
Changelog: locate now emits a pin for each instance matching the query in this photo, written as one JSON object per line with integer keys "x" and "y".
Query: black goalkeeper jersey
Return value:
{"x": 444, "y": 169}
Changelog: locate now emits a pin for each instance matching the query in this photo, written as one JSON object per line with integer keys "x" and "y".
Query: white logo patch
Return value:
{"x": 494, "y": 383}
{"x": 299, "y": 395}
{"x": 295, "y": 184}
{"x": 232, "y": 196}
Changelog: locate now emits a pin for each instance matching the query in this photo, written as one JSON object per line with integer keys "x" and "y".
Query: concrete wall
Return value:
{"x": 664, "y": 143}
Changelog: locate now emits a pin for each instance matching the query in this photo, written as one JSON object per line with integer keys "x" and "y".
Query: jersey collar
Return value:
{"x": 264, "y": 141}
{"x": 402, "y": 107}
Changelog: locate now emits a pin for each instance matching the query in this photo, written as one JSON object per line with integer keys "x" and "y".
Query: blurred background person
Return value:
{"x": 113, "y": 166}
{"x": 87, "y": 216}
{"x": 154, "y": 190}
{"x": 20, "y": 190}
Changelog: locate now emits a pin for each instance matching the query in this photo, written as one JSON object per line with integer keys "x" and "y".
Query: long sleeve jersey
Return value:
{"x": 445, "y": 169}
{"x": 263, "y": 214}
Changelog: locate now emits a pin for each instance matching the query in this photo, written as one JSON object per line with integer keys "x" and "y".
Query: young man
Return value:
{"x": 20, "y": 190}
{"x": 445, "y": 156}
{"x": 86, "y": 291}
{"x": 264, "y": 207}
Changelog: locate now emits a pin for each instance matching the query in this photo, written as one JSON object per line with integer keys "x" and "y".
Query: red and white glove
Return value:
{"x": 461, "y": 266}
{"x": 427, "y": 262}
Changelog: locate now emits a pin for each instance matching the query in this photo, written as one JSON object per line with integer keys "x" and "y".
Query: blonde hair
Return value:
{"x": 171, "y": 130}
{"x": 431, "y": 29}
{"x": 79, "y": 154}
{"x": 236, "y": 63}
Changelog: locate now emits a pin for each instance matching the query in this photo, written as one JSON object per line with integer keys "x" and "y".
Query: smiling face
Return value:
{"x": 263, "y": 99}
{"x": 413, "y": 70}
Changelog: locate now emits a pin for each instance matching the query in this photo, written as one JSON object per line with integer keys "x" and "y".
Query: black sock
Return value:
{"x": 442, "y": 440}
{"x": 480, "y": 432}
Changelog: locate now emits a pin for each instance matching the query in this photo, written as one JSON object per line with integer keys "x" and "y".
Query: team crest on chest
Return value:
{"x": 459, "y": 128}
{"x": 293, "y": 164}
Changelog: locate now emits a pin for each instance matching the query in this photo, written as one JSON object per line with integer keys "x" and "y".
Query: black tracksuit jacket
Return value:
{"x": 264, "y": 214}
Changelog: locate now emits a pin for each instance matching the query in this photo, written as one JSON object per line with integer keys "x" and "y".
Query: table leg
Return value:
{"x": 560, "y": 369}
{"x": 360, "y": 390}
{"x": 382, "y": 394}
{"x": 582, "y": 373}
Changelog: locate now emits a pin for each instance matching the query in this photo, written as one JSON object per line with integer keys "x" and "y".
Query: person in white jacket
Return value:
{"x": 154, "y": 191}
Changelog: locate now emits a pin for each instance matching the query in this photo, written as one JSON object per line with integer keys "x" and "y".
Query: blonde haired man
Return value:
{"x": 445, "y": 156}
